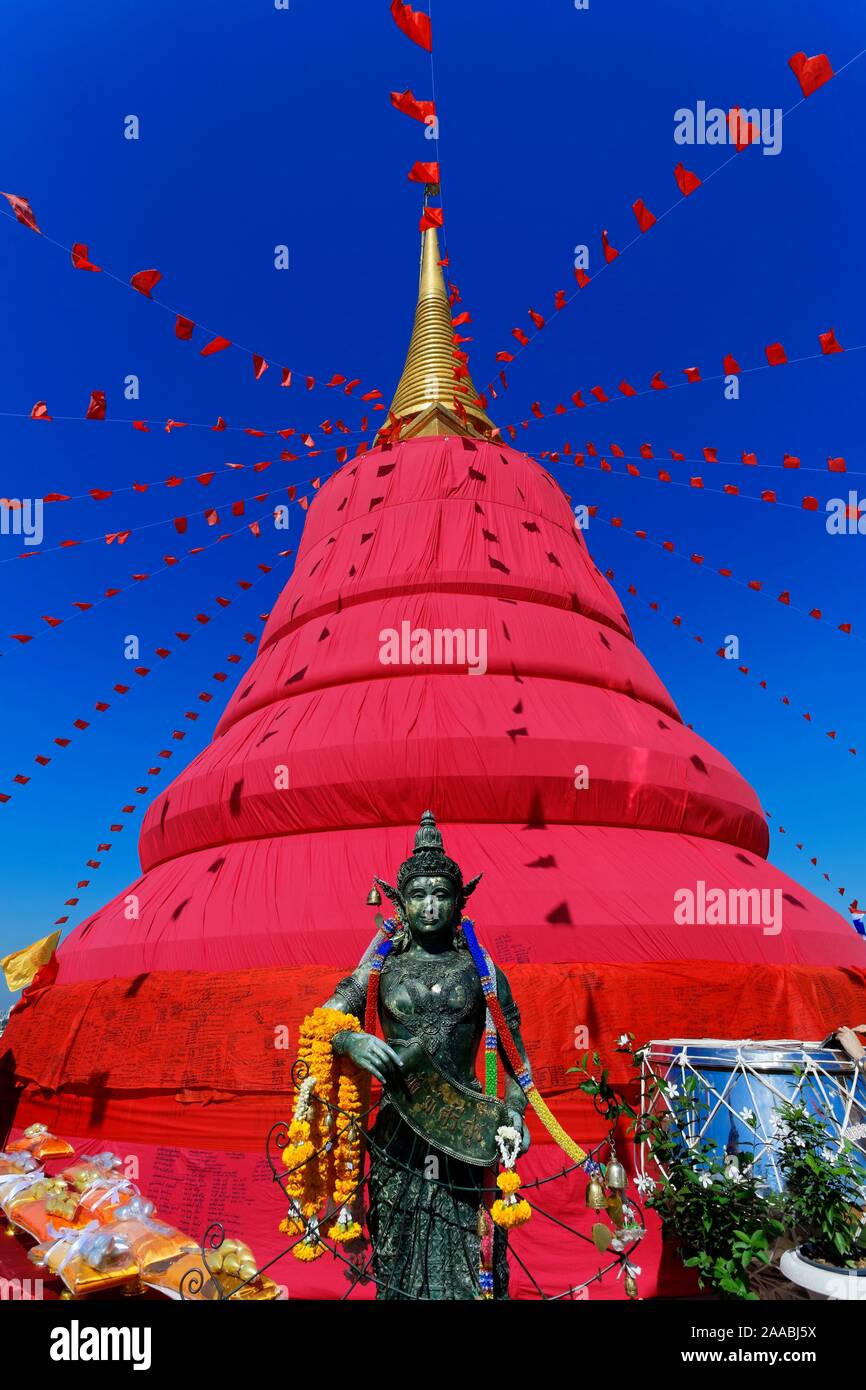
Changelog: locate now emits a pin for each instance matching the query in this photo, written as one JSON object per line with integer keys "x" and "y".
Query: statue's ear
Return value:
{"x": 389, "y": 892}
{"x": 470, "y": 887}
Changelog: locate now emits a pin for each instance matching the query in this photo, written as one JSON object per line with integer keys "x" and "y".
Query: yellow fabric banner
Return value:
{"x": 20, "y": 967}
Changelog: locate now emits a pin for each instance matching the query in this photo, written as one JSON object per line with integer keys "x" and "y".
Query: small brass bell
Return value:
{"x": 374, "y": 897}
{"x": 630, "y": 1285}
{"x": 614, "y": 1174}
{"x": 595, "y": 1195}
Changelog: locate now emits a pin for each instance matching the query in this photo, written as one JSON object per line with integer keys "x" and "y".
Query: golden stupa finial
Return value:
{"x": 428, "y": 390}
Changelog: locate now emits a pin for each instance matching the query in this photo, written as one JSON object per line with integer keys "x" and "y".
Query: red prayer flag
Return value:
{"x": 645, "y": 218}
{"x": 183, "y": 328}
{"x": 521, "y": 337}
{"x": 790, "y": 461}
{"x": 260, "y": 366}
{"x": 216, "y": 344}
{"x": 22, "y": 210}
{"x": 776, "y": 355}
{"x": 559, "y": 300}
{"x": 730, "y": 366}
{"x": 40, "y": 412}
{"x": 287, "y": 377}
{"x": 687, "y": 182}
{"x": 80, "y": 258}
{"x": 96, "y": 408}
{"x": 610, "y": 252}
{"x": 582, "y": 278}
{"x": 744, "y": 132}
{"x": 829, "y": 343}
{"x": 411, "y": 106}
{"x": 422, "y": 172}
{"x": 433, "y": 217}
{"x": 626, "y": 390}
{"x": 536, "y": 319}
{"x": 415, "y": 25}
{"x": 692, "y": 373}
{"x": 811, "y": 73}
{"x": 145, "y": 280}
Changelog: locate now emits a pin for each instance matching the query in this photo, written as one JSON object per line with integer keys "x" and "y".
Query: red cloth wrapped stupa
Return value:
{"x": 170, "y": 1031}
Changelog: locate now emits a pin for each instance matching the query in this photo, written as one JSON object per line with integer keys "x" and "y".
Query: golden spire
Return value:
{"x": 427, "y": 390}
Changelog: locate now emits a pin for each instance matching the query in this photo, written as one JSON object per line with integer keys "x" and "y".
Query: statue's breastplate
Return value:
{"x": 439, "y": 1001}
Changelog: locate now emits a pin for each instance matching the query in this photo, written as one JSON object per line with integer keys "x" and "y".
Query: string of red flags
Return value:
{"x": 53, "y": 622}
{"x": 810, "y": 72}
{"x": 742, "y": 669}
{"x": 211, "y": 517}
{"x": 756, "y": 586}
{"x": 96, "y": 410}
{"x": 848, "y": 511}
{"x": 417, "y": 27}
{"x": 774, "y": 354}
{"x": 141, "y": 672}
{"x": 212, "y": 687}
{"x": 677, "y": 622}
{"x": 708, "y": 455}
{"x": 210, "y": 514}
{"x": 853, "y": 906}
{"x": 185, "y": 327}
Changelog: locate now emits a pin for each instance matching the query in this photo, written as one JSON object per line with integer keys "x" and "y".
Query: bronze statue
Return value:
{"x": 433, "y": 1142}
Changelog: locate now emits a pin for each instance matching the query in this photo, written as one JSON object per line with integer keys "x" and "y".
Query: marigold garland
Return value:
{"x": 323, "y": 1148}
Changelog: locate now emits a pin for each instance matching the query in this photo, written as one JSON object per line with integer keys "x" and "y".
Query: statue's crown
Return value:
{"x": 429, "y": 860}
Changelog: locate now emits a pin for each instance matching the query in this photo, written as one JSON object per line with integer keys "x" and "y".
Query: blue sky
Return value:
{"x": 261, "y": 127}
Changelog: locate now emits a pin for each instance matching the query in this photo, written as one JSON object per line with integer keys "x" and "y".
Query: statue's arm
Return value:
{"x": 515, "y": 1099}
{"x": 365, "y": 1049}
{"x": 350, "y": 995}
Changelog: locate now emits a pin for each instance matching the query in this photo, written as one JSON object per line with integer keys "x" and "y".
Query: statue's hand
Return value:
{"x": 516, "y": 1119}
{"x": 374, "y": 1055}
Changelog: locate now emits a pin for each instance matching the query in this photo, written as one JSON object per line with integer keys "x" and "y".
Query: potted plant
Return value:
{"x": 825, "y": 1203}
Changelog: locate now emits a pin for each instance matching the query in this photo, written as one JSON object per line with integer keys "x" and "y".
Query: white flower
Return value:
{"x": 733, "y": 1174}
{"x": 828, "y": 1155}
{"x": 748, "y": 1115}
{"x": 800, "y": 1141}
{"x": 706, "y": 1181}
{"x": 624, "y": 1040}
{"x": 673, "y": 1089}
{"x": 644, "y": 1184}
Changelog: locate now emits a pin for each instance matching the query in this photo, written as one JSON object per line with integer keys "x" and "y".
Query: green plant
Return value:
{"x": 824, "y": 1192}
{"x": 725, "y": 1228}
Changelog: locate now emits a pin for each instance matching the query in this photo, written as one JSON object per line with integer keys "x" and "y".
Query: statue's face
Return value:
{"x": 430, "y": 905}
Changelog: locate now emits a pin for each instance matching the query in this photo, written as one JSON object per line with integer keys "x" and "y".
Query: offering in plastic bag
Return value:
{"x": 48, "y": 1202}
{"x": 93, "y": 1168}
{"x": 152, "y": 1242}
{"x": 15, "y": 1186}
{"x": 16, "y": 1163}
{"x": 90, "y": 1260}
{"x": 230, "y": 1272}
{"x": 41, "y": 1143}
{"x": 105, "y": 1196}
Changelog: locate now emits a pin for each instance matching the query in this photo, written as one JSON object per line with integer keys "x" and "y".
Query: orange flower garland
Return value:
{"x": 322, "y": 1154}
{"x": 509, "y": 1209}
